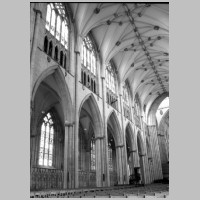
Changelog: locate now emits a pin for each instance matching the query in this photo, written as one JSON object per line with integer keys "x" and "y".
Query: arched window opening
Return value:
{"x": 110, "y": 164}
{"x": 88, "y": 61}
{"x": 126, "y": 103}
{"x": 84, "y": 79}
{"x": 48, "y": 17}
{"x": 112, "y": 158}
{"x": 50, "y": 48}
{"x": 162, "y": 109}
{"x": 65, "y": 62}
{"x": 57, "y": 23}
{"x": 136, "y": 111}
{"x": 58, "y": 28}
{"x": 92, "y": 85}
{"x": 110, "y": 85}
{"x": 82, "y": 76}
{"x": 46, "y": 141}
{"x": 56, "y": 53}
{"x": 61, "y": 58}
{"x": 53, "y": 22}
{"x": 88, "y": 82}
{"x": 92, "y": 154}
{"x": 45, "y": 44}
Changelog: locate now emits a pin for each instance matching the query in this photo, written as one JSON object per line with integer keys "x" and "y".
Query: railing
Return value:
{"x": 87, "y": 179}
{"x": 43, "y": 178}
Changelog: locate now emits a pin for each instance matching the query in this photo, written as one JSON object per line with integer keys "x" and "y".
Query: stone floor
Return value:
{"x": 156, "y": 190}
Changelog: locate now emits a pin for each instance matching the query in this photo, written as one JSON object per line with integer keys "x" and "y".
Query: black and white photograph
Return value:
{"x": 99, "y": 100}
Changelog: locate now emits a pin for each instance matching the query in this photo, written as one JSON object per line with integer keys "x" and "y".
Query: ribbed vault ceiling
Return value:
{"x": 136, "y": 37}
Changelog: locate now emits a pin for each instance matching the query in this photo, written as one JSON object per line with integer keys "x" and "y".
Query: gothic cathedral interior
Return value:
{"x": 99, "y": 94}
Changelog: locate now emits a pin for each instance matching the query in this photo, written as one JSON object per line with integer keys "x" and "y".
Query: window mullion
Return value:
{"x": 44, "y": 143}
{"x": 50, "y": 19}
{"x": 49, "y": 142}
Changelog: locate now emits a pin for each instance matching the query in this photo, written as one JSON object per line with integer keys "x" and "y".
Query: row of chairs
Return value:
{"x": 153, "y": 190}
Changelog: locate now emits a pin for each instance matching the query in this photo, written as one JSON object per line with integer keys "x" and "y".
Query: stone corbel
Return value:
{"x": 133, "y": 151}
{"x": 100, "y": 137}
{"x": 77, "y": 52}
{"x": 119, "y": 146}
{"x": 37, "y": 11}
{"x": 67, "y": 123}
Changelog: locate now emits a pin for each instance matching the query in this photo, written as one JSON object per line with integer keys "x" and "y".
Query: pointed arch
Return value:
{"x": 151, "y": 113}
{"x": 140, "y": 144}
{"x": 95, "y": 112}
{"x": 63, "y": 92}
{"x": 117, "y": 131}
{"x": 130, "y": 135}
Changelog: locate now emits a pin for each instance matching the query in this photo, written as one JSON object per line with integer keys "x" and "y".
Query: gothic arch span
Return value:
{"x": 95, "y": 114}
{"x": 140, "y": 144}
{"x": 130, "y": 136}
{"x": 63, "y": 92}
{"x": 113, "y": 122}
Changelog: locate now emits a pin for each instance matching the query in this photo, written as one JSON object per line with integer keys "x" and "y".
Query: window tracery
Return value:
{"x": 89, "y": 65}
{"x": 111, "y": 94}
{"x": 56, "y": 40}
{"x": 126, "y": 103}
{"x": 136, "y": 111}
{"x": 46, "y": 141}
{"x": 92, "y": 153}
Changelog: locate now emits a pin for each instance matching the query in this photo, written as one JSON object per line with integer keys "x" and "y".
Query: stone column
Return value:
{"x": 124, "y": 151}
{"x": 75, "y": 150}
{"x": 120, "y": 164}
{"x": 132, "y": 155}
{"x": 157, "y": 168}
{"x": 38, "y": 15}
{"x": 66, "y": 153}
{"x": 105, "y": 141}
{"x": 142, "y": 167}
{"x": 98, "y": 151}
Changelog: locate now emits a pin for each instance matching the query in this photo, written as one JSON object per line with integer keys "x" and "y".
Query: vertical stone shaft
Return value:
{"x": 75, "y": 150}
{"x": 107, "y": 175}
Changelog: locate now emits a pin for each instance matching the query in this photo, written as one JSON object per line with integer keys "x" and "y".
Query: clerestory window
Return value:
{"x": 126, "y": 103}
{"x": 56, "y": 22}
{"x": 111, "y": 93}
{"x": 89, "y": 65}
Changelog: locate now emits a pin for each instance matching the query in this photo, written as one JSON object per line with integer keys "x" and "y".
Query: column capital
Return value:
{"x": 133, "y": 151}
{"x": 77, "y": 52}
{"x": 37, "y": 11}
{"x": 68, "y": 124}
{"x": 103, "y": 77}
{"x": 119, "y": 146}
{"x": 100, "y": 137}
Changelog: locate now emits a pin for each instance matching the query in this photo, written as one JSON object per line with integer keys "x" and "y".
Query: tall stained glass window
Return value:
{"x": 46, "y": 141}
{"x": 92, "y": 154}
{"x": 110, "y": 157}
